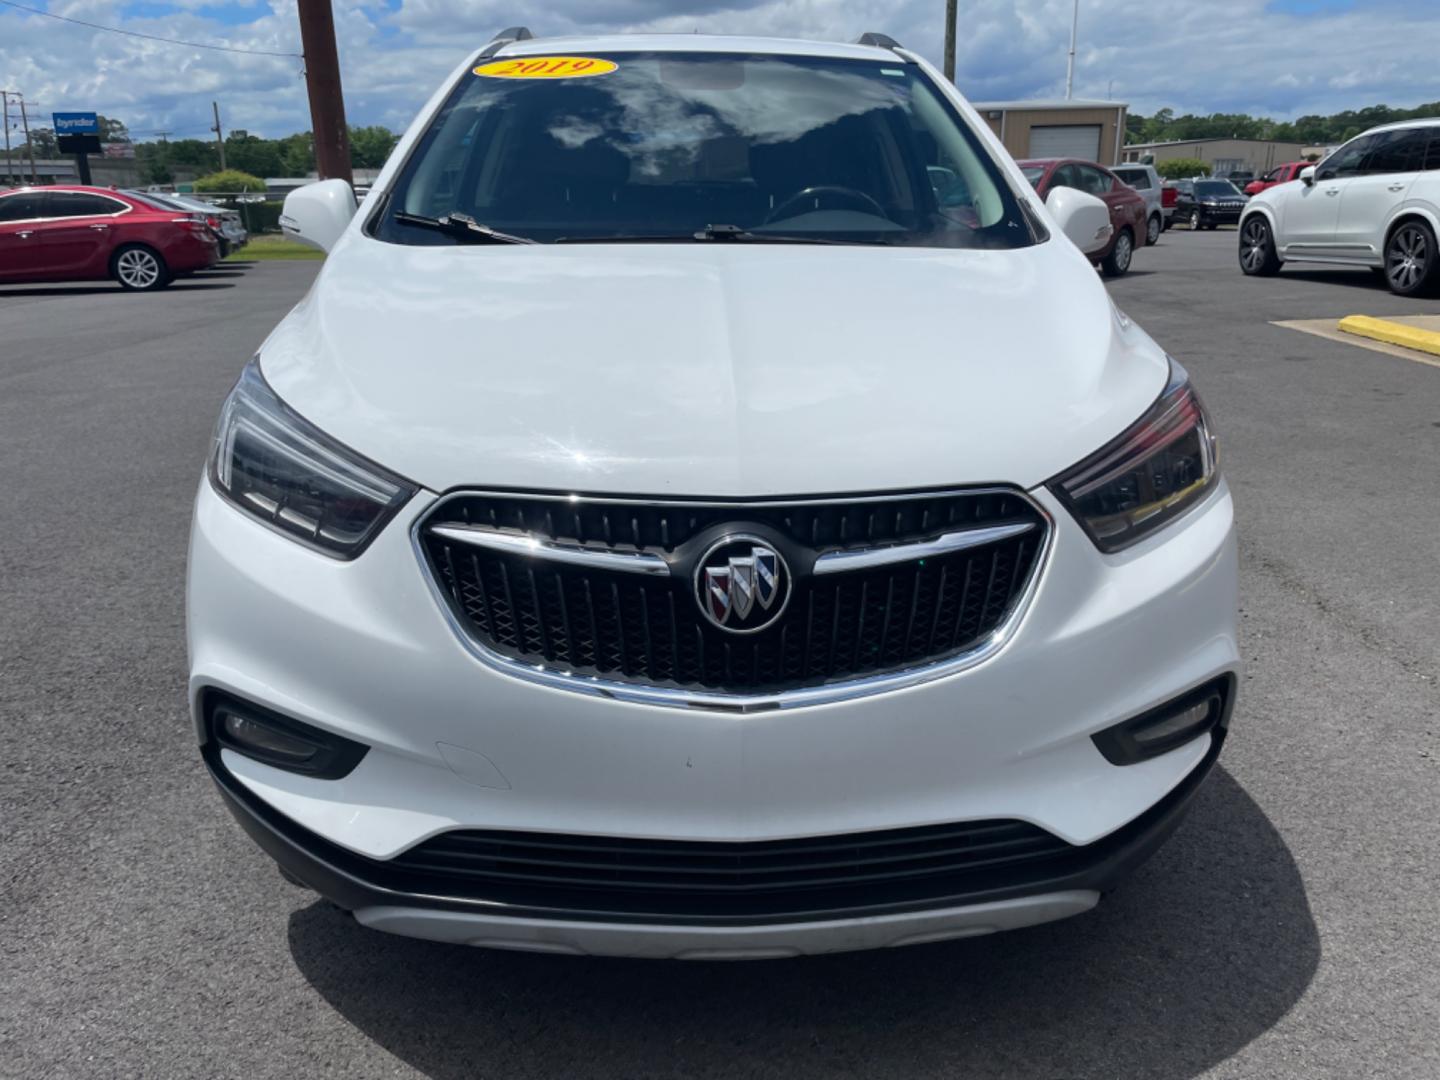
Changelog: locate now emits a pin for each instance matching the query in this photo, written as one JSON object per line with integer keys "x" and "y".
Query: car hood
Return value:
{"x": 713, "y": 369}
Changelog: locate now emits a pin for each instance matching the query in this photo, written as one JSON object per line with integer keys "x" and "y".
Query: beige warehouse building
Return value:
{"x": 1089, "y": 130}
{"x": 1222, "y": 155}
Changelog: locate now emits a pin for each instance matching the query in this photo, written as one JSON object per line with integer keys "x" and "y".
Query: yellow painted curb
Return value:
{"x": 1392, "y": 333}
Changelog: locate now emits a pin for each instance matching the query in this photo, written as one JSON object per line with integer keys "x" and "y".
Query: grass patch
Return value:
{"x": 273, "y": 247}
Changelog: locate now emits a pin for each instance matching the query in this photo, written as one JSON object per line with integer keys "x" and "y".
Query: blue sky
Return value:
{"x": 1280, "y": 58}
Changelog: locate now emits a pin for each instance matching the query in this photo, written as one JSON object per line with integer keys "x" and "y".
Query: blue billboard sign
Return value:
{"x": 76, "y": 123}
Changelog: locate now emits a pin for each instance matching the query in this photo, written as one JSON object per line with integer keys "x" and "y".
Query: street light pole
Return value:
{"x": 29, "y": 143}
{"x": 1070, "y": 66}
{"x": 9, "y": 168}
{"x": 219, "y": 135}
{"x": 950, "y": 39}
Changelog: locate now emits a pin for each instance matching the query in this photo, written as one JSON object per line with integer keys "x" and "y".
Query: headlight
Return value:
{"x": 274, "y": 464}
{"x": 1150, "y": 475}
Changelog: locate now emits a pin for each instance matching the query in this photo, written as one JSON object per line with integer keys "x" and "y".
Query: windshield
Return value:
{"x": 647, "y": 145}
{"x": 1215, "y": 187}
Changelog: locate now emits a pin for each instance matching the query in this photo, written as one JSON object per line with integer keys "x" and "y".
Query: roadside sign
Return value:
{"x": 76, "y": 123}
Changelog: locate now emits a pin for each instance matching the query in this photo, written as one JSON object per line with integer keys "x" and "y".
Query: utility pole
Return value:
{"x": 9, "y": 168}
{"x": 29, "y": 144}
{"x": 322, "y": 80}
{"x": 1070, "y": 66}
{"x": 219, "y": 135}
{"x": 950, "y": 39}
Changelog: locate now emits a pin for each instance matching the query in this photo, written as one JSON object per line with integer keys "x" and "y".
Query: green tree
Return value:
{"x": 230, "y": 180}
{"x": 111, "y": 130}
{"x": 1180, "y": 168}
{"x": 197, "y": 153}
{"x": 43, "y": 140}
{"x": 297, "y": 154}
{"x": 370, "y": 146}
{"x": 252, "y": 154}
{"x": 153, "y": 158}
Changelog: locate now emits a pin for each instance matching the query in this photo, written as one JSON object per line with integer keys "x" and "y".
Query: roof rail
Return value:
{"x": 880, "y": 41}
{"x": 508, "y": 36}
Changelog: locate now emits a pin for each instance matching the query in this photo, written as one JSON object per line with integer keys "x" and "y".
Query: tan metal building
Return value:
{"x": 1090, "y": 130}
{"x": 1222, "y": 155}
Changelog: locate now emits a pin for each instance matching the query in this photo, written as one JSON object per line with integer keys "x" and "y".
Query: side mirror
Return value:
{"x": 1307, "y": 175}
{"x": 317, "y": 214}
{"x": 1083, "y": 218}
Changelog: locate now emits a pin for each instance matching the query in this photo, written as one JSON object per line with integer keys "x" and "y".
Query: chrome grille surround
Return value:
{"x": 719, "y": 700}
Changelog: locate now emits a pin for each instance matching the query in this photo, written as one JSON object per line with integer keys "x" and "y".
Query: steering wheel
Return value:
{"x": 858, "y": 198}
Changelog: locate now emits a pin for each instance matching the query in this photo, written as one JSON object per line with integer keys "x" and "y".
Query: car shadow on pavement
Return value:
{"x": 1360, "y": 278}
{"x": 1203, "y": 950}
{"x": 185, "y": 285}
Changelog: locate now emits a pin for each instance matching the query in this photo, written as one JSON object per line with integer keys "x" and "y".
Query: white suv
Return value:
{"x": 1374, "y": 202}
{"x": 706, "y": 507}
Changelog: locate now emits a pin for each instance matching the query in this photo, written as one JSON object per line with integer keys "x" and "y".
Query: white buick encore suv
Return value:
{"x": 707, "y": 506}
{"x": 1374, "y": 202}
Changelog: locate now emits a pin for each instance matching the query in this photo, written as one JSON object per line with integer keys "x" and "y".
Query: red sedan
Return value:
{"x": 94, "y": 234}
{"x": 1127, "y": 206}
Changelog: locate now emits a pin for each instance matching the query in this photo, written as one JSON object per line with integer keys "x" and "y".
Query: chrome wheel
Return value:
{"x": 138, "y": 268}
{"x": 1408, "y": 258}
{"x": 1195, "y": 221}
{"x": 1254, "y": 244}
{"x": 1152, "y": 231}
{"x": 1124, "y": 251}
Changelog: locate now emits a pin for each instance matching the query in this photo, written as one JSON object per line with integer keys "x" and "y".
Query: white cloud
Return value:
{"x": 1220, "y": 56}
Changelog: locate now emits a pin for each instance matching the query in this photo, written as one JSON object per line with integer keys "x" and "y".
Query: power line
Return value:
{"x": 148, "y": 37}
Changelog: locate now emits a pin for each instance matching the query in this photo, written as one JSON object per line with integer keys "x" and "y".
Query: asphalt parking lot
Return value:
{"x": 1288, "y": 930}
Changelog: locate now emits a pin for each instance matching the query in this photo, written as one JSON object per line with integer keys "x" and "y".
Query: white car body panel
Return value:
{"x": 706, "y": 372}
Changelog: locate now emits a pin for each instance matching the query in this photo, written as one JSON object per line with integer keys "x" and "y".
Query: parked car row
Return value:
{"x": 227, "y": 225}
{"x": 76, "y": 233}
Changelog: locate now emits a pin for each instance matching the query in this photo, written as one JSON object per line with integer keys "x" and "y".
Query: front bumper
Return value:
{"x": 380, "y": 900}
{"x": 363, "y": 650}
{"x": 1221, "y": 217}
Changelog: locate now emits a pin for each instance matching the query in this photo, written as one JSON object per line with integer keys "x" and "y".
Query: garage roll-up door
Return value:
{"x": 1066, "y": 140}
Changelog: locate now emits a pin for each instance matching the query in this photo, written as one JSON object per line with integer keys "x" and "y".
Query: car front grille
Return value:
{"x": 678, "y": 878}
{"x": 555, "y": 606}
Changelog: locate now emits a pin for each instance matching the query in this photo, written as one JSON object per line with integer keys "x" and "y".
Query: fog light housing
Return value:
{"x": 1205, "y": 709}
{"x": 279, "y": 741}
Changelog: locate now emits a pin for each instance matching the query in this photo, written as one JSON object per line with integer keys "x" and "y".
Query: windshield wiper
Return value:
{"x": 463, "y": 227}
{"x": 722, "y": 234}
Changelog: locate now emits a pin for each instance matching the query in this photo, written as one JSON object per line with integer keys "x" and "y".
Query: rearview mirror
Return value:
{"x": 1307, "y": 175}
{"x": 317, "y": 214}
{"x": 1081, "y": 217}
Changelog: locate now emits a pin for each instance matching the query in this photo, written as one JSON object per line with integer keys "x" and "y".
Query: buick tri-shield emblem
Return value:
{"x": 742, "y": 584}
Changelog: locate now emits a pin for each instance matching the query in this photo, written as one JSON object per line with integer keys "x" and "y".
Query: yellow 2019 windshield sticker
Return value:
{"x": 546, "y": 67}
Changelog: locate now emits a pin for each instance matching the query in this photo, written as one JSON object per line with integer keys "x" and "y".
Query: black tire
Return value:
{"x": 1195, "y": 221}
{"x": 140, "y": 268}
{"x": 1117, "y": 263}
{"x": 1153, "y": 228}
{"x": 1258, "y": 256}
{"x": 1410, "y": 260}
